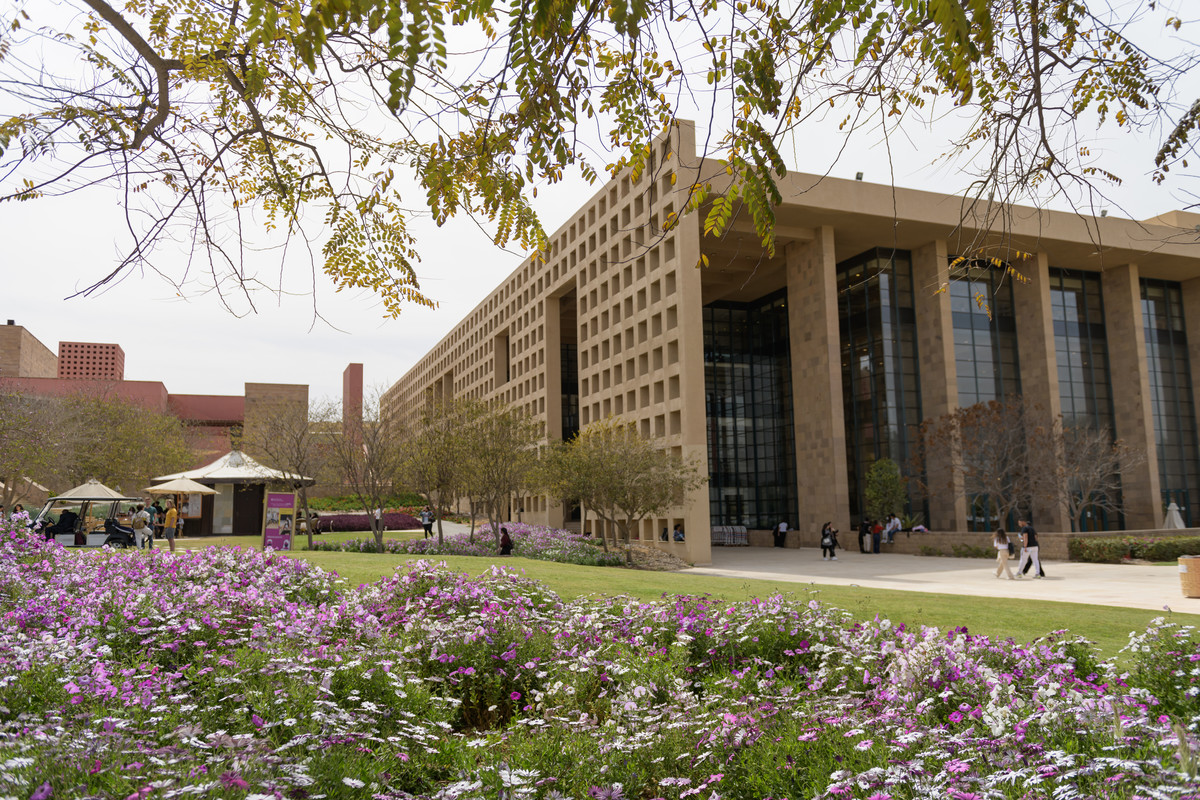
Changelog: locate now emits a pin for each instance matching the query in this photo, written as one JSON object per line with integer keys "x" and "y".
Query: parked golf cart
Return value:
{"x": 90, "y": 515}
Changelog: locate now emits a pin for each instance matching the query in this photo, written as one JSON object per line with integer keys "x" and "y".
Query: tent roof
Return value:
{"x": 180, "y": 486}
{"x": 93, "y": 490}
{"x": 237, "y": 467}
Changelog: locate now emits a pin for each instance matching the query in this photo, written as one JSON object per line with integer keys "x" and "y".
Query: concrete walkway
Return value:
{"x": 1128, "y": 585}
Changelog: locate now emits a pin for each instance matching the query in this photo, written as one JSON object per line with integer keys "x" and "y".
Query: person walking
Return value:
{"x": 780, "y": 534}
{"x": 829, "y": 542}
{"x": 169, "y": 522}
{"x": 1000, "y": 542}
{"x": 143, "y": 530}
{"x": 864, "y": 532}
{"x": 1029, "y": 549}
{"x": 427, "y": 522}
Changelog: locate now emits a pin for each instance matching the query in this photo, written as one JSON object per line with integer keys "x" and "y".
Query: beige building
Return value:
{"x": 788, "y": 375}
{"x": 22, "y": 355}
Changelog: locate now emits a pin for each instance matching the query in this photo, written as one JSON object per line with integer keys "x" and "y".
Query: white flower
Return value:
{"x": 353, "y": 783}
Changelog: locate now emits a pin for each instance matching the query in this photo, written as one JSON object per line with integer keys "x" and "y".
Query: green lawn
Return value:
{"x": 1023, "y": 620}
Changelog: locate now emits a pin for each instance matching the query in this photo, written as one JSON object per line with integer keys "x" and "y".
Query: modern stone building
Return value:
{"x": 789, "y": 374}
{"x": 99, "y": 361}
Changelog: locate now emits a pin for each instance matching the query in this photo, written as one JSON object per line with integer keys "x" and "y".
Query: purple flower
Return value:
{"x": 43, "y": 792}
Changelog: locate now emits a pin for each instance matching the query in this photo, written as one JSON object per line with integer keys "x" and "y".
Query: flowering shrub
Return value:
{"x": 392, "y": 521}
{"x": 1113, "y": 549}
{"x": 529, "y": 541}
{"x": 234, "y": 674}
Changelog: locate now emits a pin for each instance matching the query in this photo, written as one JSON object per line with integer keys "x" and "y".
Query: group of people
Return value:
{"x": 154, "y": 521}
{"x": 875, "y": 532}
{"x": 1029, "y": 552}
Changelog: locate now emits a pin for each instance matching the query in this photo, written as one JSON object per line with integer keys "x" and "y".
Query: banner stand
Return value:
{"x": 279, "y": 521}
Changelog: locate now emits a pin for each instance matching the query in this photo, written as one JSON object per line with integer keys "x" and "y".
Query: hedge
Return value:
{"x": 1115, "y": 549}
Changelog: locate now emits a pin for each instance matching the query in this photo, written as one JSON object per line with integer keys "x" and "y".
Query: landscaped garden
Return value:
{"x": 231, "y": 673}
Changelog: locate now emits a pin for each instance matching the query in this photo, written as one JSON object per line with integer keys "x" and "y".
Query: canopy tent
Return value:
{"x": 180, "y": 486}
{"x": 237, "y": 467}
{"x": 92, "y": 490}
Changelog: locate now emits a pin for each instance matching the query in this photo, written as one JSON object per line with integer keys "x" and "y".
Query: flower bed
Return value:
{"x": 233, "y": 674}
{"x": 392, "y": 521}
{"x": 1114, "y": 549}
{"x": 529, "y": 541}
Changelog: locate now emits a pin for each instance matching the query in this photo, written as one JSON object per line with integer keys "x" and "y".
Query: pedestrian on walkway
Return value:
{"x": 780, "y": 534}
{"x": 864, "y": 532}
{"x": 829, "y": 542}
{"x": 1000, "y": 542}
{"x": 169, "y": 523}
{"x": 1029, "y": 549}
{"x": 876, "y": 536}
{"x": 143, "y": 529}
{"x": 427, "y": 522}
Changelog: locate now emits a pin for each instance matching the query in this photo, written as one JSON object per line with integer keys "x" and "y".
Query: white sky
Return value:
{"x": 51, "y": 247}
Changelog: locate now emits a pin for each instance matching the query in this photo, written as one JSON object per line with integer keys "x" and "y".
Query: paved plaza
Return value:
{"x": 1128, "y": 585}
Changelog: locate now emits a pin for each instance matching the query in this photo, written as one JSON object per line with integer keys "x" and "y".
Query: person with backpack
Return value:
{"x": 143, "y": 528}
{"x": 829, "y": 542}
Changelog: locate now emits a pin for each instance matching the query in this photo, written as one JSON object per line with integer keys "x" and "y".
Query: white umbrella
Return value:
{"x": 92, "y": 490}
{"x": 180, "y": 486}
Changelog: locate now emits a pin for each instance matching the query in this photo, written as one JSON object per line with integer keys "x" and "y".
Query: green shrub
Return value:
{"x": 1114, "y": 549}
{"x": 972, "y": 551}
{"x": 349, "y": 502}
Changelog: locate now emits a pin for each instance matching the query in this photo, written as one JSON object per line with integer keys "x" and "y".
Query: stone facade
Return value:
{"x": 619, "y": 289}
{"x": 23, "y": 356}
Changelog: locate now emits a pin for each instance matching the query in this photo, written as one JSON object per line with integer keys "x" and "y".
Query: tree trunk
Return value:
{"x": 307, "y": 515}
{"x": 471, "y": 505}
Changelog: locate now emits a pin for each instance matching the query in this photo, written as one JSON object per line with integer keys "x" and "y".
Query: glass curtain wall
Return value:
{"x": 751, "y": 441}
{"x": 1081, "y": 348}
{"x": 985, "y": 350}
{"x": 985, "y": 332}
{"x": 1171, "y": 395}
{"x": 880, "y": 379}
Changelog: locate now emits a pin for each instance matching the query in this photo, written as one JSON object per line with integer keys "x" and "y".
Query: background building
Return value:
{"x": 789, "y": 374}
{"x": 91, "y": 361}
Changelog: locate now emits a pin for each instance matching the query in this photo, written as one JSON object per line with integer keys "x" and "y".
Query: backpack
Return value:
{"x": 827, "y": 541}
{"x": 139, "y": 521}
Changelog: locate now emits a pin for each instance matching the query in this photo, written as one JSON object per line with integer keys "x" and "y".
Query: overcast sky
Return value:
{"x": 52, "y": 247}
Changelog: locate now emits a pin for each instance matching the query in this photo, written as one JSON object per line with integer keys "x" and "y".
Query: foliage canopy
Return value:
{"x": 233, "y": 124}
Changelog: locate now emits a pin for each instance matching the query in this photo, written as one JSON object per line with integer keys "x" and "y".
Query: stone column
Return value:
{"x": 817, "y": 402}
{"x": 939, "y": 377}
{"x": 1191, "y": 322}
{"x": 1039, "y": 366}
{"x": 1130, "y": 379}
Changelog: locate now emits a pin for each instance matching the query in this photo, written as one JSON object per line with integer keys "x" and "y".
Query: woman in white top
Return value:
{"x": 1000, "y": 541}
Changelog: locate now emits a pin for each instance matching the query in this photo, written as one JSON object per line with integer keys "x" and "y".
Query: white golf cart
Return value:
{"x": 90, "y": 515}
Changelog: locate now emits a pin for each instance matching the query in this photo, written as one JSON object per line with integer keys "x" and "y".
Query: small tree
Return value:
{"x": 624, "y": 478}
{"x": 26, "y": 443}
{"x": 885, "y": 490}
{"x": 561, "y": 473}
{"x": 1001, "y": 449}
{"x": 1088, "y": 476}
{"x": 500, "y": 454}
{"x": 287, "y": 438}
{"x": 437, "y": 452}
{"x": 368, "y": 451}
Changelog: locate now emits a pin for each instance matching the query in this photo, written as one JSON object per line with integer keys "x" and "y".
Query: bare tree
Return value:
{"x": 288, "y": 437}
{"x": 1088, "y": 476}
{"x": 996, "y": 449}
{"x": 369, "y": 454}
{"x": 437, "y": 453}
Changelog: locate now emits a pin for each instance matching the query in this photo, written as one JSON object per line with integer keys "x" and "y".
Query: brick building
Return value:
{"x": 789, "y": 375}
{"x": 96, "y": 361}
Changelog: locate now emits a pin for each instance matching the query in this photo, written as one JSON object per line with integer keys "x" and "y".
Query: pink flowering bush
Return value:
{"x": 392, "y": 521}
{"x": 529, "y": 541}
{"x": 233, "y": 674}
